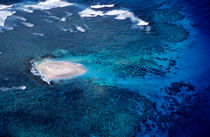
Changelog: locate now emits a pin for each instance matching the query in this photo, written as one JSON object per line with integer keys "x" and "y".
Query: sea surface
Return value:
{"x": 148, "y": 64}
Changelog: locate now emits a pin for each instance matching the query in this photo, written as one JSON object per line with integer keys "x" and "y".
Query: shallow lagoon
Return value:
{"x": 140, "y": 80}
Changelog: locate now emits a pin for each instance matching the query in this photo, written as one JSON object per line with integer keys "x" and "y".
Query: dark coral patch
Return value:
{"x": 85, "y": 110}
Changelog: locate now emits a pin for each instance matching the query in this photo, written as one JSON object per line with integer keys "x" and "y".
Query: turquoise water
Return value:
{"x": 141, "y": 80}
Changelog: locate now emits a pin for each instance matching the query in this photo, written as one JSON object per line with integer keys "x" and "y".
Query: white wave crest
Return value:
{"x": 102, "y": 6}
{"x": 120, "y": 15}
{"x": 48, "y": 12}
{"x": 116, "y": 12}
{"x": 54, "y": 17}
{"x": 2, "y": 7}
{"x": 48, "y": 4}
{"x": 13, "y": 88}
{"x": 38, "y": 34}
{"x": 79, "y": 28}
{"x": 90, "y": 13}
{"x": 4, "y": 15}
{"x": 8, "y": 27}
{"x": 126, "y": 14}
{"x": 49, "y": 21}
{"x": 25, "y": 9}
{"x": 20, "y": 18}
{"x": 63, "y": 29}
{"x": 68, "y": 14}
{"x": 70, "y": 30}
{"x": 28, "y": 24}
{"x": 63, "y": 19}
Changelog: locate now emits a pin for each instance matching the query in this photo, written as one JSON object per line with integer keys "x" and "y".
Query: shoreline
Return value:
{"x": 50, "y": 70}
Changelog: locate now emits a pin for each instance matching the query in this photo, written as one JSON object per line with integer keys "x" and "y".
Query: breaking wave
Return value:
{"x": 13, "y": 88}
{"x": 102, "y": 6}
{"x": 119, "y": 15}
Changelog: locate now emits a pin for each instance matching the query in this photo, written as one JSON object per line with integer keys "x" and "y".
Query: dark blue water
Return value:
{"x": 141, "y": 80}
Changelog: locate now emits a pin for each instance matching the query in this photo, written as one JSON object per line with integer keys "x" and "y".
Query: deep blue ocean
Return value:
{"x": 142, "y": 80}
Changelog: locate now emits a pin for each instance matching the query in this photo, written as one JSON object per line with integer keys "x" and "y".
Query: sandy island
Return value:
{"x": 56, "y": 70}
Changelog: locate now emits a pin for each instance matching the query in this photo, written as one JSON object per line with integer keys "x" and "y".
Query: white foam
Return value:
{"x": 36, "y": 72}
{"x": 126, "y": 14}
{"x": 63, "y": 19}
{"x": 63, "y": 29}
{"x": 8, "y": 28}
{"x": 90, "y": 13}
{"x": 102, "y": 6}
{"x": 48, "y": 4}
{"x": 28, "y": 24}
{"x": 4, "y": 15}
{"x": 20, "y": 18}
{"x": 38, "y": 34}
{"x": 79, "y": 28}
{"x": 49, "y": 13}
{"x": 70, "y": 30}
{"x": 22, "y": 87}
{"x": 2, "y": 7}
{"x": 13, "y": 88}
{"x": 120, "y": 15}
{"x": 55, "y": 17}
{"x": 49, "y": 21}
{"x": 25, "y": 9}
{"x": 116, "y": 12}
{"x": 68, "y": 14}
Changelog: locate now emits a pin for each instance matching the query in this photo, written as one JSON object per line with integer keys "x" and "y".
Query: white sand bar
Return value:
{"x": 56, "y": 70}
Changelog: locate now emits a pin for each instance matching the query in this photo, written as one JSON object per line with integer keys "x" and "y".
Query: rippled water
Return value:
{"x": 142, "y": 79}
